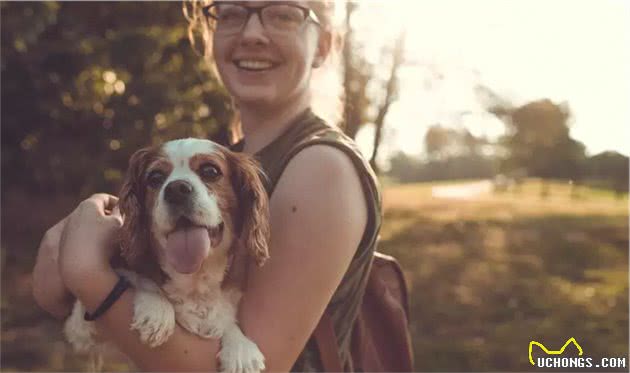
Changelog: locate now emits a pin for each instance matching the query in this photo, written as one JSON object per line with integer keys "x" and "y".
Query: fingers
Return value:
{"x": 102, "y": 202}
{"x": 108, "y": 201}
{"x": 116, "y": 211}
{"x": 105, "y": 206}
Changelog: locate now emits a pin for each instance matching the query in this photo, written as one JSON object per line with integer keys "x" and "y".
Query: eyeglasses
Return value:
{"x": 230, "y": 17}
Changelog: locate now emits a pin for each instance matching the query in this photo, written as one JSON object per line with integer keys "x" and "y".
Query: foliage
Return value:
{"x": 86, "y": 84}
{"x": 451, "y": 154}
{"x": 608, "y": 169}
{"x": 539, "y": 141}
{"x": 441, "y": 142}
{"x": 537, "y": 137}
{"x": 407, "y": 169}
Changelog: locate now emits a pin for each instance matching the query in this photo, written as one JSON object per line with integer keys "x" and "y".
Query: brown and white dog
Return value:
{"x": 188, "y": 205}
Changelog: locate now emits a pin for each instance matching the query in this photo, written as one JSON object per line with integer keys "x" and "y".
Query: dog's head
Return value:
{"x": 190, "y": 200}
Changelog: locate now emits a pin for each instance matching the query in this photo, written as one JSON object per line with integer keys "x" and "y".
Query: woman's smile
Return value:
{"x": 254, "y": 64}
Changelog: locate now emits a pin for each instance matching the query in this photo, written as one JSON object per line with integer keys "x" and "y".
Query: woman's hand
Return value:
{"x": 49, "y": 290}
{"x": 88, "y": 242}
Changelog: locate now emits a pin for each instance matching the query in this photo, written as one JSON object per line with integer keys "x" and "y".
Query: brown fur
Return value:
{"x": 253, "y": 205}
{"x": 135, "y": 238}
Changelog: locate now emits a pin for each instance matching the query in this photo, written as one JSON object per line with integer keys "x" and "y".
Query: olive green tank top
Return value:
{"x": 308, "y": 130}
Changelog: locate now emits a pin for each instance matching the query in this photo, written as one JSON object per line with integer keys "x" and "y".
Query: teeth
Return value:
{"x": 254, "y": 65}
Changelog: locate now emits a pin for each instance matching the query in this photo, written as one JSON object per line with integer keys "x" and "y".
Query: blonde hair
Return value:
{"x": 326, "y": 83}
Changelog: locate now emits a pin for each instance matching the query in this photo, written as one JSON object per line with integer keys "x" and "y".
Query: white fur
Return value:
{"x": 206, "y": 207}
{"x": 239, "y": 354}
{"x": 196, "y": 301}
{"x": 154, "y": 317}
{"x": 80, "y": 333}
{"x": 153, "y": 314}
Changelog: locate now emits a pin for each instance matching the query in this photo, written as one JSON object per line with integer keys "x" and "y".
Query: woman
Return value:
{"x": 324, "y": 203}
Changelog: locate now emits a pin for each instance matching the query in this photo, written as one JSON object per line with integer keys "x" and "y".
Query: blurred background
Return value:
{"x": 499, "y": 131}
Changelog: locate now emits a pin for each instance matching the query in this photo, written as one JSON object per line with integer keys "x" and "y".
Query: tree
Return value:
{"x": 538, "y": 139}
{"x": 538, "y": 136}
{"x": 437, "y": 141}
{"x": 442, "y": 142}
{"x": 609, "y": 169}
{"x": 391, "y": 94}
{"x": 86, "y": 84}
{"x": 356, "y": 76}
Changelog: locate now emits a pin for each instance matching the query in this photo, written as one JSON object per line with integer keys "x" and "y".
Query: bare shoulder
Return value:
{"x": 319, "y": 197}
{"x": 320, "y": 170}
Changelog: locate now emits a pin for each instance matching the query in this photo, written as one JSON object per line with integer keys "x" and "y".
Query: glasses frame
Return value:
{"x": 309, "y": 14}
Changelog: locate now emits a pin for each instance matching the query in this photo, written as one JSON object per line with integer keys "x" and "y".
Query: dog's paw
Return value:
{"x": 238, "y": 354}
{"x": 153, "y": 318}
{"x": 79, "y": 333}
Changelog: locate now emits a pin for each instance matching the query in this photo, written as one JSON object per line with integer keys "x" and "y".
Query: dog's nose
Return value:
{"x": 177, "y": 191}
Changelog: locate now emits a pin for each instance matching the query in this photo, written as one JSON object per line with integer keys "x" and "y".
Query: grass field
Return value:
{"x": 487, "y": 275}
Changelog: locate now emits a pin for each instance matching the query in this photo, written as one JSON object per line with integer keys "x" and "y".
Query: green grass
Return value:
{"x": 488, "y": 275}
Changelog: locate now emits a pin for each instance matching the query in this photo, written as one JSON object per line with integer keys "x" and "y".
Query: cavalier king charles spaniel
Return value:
{"x": 187, "y": 206}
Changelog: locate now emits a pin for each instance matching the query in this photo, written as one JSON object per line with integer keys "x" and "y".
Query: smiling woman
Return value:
{"x": 324, "y": 202}
{"x": 279, "y": 19}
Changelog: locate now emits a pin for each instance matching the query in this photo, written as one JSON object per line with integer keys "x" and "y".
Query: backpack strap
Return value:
{"x": 326, "y": 341}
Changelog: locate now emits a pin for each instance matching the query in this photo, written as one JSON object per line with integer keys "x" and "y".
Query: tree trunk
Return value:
{"x": 351, "y": 126}
{"x": 390, "y": 96}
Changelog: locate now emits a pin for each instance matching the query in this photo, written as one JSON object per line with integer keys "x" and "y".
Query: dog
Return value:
{"x": 188, "y": 205}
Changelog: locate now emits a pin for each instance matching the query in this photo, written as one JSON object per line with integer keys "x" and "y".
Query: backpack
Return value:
{"x": 381, "y": 341}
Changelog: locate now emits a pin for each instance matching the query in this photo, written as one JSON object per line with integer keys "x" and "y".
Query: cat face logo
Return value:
{"x": 552, "y": 352}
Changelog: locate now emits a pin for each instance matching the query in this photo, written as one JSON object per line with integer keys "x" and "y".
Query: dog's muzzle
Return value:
{"x": 178, "y": 192}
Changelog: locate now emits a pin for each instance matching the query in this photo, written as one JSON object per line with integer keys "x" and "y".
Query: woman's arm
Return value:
{"x": 318, "y": 215}
{"x": 49, "y": 291}
{"x": 183, "y": 351}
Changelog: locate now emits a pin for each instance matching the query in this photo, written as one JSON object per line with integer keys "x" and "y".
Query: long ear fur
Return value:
{"x": 135, "y": 235}
{"x": 253, "y": 205}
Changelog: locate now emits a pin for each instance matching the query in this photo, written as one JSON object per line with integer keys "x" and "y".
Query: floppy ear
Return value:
{"x": 134, "y": 238}
{"x": 253, "y": 205}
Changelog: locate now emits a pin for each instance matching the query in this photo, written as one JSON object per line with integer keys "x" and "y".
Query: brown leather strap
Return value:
{"x": 327, "y": 344}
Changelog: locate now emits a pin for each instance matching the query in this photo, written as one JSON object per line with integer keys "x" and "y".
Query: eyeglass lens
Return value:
{"x": 274, "y": 17}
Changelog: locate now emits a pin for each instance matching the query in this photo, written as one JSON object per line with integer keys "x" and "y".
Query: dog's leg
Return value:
{"x": 238, "y": 353}
{"x": 153, "y": 314}
{"x": 80, "y": 334}
{"x": 96, "y": 361}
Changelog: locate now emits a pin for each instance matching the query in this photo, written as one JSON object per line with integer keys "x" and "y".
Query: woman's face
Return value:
{"x": 262, "y": 66}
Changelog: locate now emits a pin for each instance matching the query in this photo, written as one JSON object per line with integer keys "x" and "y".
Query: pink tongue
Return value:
{"x": 187, "y": 248}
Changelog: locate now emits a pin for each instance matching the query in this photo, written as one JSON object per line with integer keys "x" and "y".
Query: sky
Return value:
{"x": 573, "y": 51}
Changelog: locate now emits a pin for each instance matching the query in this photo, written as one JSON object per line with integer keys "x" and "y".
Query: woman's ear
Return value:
{"x": 253, "y": 205}
{"x": 324, "y": 44}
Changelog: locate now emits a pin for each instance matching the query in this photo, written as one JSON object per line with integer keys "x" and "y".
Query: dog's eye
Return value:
{"x": 155, "y": 178}
{"x": 209, "y": 172}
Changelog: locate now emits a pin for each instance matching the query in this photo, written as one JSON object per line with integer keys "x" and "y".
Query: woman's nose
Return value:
{"x": 253, "y": 30}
